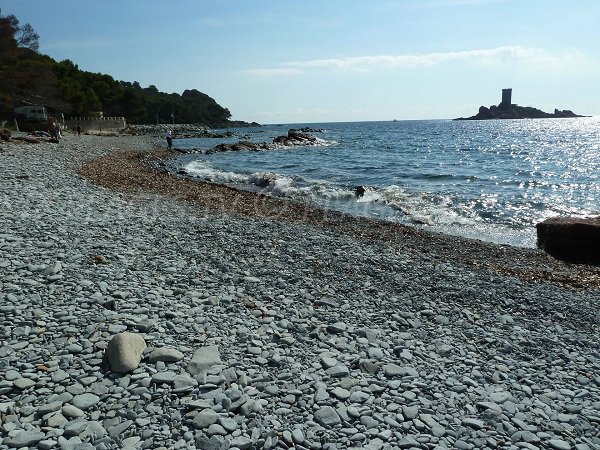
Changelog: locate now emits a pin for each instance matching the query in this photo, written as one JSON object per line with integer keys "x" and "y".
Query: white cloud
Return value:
{"x": 506, "y": 57}
{"x": 495, "y": 56}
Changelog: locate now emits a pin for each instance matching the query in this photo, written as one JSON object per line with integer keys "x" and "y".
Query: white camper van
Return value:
{"x": 31, "y": 112}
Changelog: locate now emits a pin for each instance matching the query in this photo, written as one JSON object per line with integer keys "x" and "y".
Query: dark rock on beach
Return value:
{"x": 571, "y": 239}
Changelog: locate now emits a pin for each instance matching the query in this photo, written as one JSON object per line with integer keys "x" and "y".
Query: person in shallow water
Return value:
{"x": 169, "y": 137}
{"x": 359, "y": 191}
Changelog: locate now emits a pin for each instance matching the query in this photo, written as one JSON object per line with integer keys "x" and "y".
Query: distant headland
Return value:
{"x": 507, "y": 110}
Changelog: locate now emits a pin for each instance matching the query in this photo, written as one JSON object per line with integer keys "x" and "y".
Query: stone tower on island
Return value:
{"x": 509, "y": 110}
{"x": 506, "y": 98}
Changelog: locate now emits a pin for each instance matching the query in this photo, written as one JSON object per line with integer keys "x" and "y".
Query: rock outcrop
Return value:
{"x": 293, "y": 138}
{"x": 571, "y": 239}
{"x": 518, "y": 112}
{"x": 239, "y": 147}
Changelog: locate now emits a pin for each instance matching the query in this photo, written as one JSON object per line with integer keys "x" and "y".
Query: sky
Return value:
{"x": 312, "y": 61}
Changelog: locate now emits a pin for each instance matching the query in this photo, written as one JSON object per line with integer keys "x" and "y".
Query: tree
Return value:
{"x": 30, "y": 78}
{"x": 27, "y": 37}
{"x": 91, "y": 102}
{"x": 22, "y": 36}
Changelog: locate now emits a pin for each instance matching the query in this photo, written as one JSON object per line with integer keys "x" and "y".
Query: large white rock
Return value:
{"x": 203, "y": 359}
{"x": 124, "y": 352}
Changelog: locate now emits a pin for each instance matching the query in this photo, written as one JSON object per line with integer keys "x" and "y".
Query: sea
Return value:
{"x": 489, "y": 180}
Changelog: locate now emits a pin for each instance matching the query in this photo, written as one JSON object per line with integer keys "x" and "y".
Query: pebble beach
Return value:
{"x": 268, "y": 324}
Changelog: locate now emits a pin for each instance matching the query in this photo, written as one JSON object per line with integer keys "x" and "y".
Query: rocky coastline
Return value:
{"x": 268, "y": 324}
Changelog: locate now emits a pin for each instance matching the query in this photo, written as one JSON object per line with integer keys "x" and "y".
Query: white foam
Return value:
{"x": 434, "y": 211}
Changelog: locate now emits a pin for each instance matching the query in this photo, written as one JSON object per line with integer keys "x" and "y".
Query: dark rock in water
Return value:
{"x": 312, "y": 130}
{"x": 5, "y": 134}
{"x": 571, "y": 239}
{"x": 239, "y": 146}
{"x": 295, "y": 137}
{"x": 359, "y": 191}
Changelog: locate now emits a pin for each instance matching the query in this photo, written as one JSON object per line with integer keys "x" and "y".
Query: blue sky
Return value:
{"x": 289, "y": 61}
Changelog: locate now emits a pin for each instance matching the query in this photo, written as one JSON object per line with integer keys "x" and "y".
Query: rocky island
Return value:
{"x": 508, "y": 110}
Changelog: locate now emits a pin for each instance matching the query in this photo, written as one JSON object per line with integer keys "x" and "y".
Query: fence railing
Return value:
{"x": 96, "y": 123}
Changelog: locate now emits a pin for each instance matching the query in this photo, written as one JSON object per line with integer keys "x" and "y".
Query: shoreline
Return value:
{"x": 131, "y": 171}
{"x": 315, "y": 330}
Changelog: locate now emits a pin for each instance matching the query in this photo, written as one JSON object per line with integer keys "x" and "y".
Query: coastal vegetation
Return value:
{"x": 28, "y": 77}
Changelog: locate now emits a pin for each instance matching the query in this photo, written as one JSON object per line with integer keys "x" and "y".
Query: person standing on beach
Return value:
{"x": 57, "y": 131}
{"x": 169, "y": 139}
{"x": 53, "y": 128}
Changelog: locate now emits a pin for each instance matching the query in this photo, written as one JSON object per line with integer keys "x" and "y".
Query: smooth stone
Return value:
{"x": 205, "y": 418}
{"x": 47, "y": 444}
{"x": 229, "y": 424}
{"x": 24, "y": 439}
{"x": 473, "y": 423}
{"x": 23, "y": 383}
{"x": 216, "y": 429}
{"x": 167, "y": 377}
{"x": 124, "y": 352}
{"x": 298, "y": 435}
{"x": 57, "y": 421}
{"x": 203, "y": 359}
{"x": 359, "y": 397}
{"x": 165, "y": 354}
{"x": 375, "y": 353}
{"x": 327, "y": 416}
{"x": 500, "y": 397}
{"x": 338, "y": 371}
{"x": 410, "y": 412}
{"x": 328, "y": 362}
{"x": 559, "y": 444}
{"x": 241, "y": 442}
{"x": 341, "y": 393}
{"x": 12, "y": 375}
{"x": 119, "y": 429}
{"x": 52, "y": 269}
{"x": 394, "y": 370}
{"x": 69, "y": 410}
{"x": 85, "y": 401}
{"x": 183, "y": 381}
{"x": 408, "y": 442}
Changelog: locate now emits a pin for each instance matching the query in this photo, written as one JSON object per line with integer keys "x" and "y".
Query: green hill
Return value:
{"x": 30, "y": 78}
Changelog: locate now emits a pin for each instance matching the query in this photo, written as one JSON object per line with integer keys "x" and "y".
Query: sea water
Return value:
{"x": 490, "y": 180}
